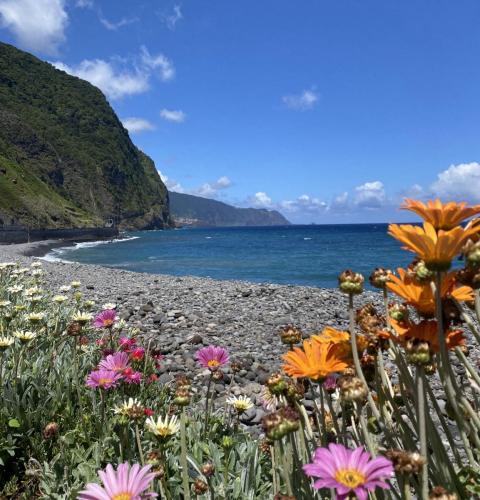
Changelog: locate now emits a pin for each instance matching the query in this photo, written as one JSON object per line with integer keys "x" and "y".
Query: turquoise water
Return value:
{"x": 297, "y": 255}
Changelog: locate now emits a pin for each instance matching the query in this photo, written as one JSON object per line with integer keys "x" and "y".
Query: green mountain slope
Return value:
{"x": 192, "y": 210}
{"x": 65, "y": 158}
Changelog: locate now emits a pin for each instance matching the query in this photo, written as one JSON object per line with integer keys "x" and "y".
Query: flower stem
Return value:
{"x": 139, "y": 444}
{"x": 207, "y": 401}
{"x": 422, "y": 428}
{"x": 183, "y": 456}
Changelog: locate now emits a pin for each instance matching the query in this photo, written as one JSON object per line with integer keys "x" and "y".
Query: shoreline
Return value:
{"x": 182, "y": 314}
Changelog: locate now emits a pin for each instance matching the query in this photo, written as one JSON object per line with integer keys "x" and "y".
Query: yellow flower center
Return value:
{"x": 213, "y": 363}
{"x": 104, "y": 381}
{"x": 122, "y": 496}
{"x": 107, "y": 322}
{"x": 350, "y": 477}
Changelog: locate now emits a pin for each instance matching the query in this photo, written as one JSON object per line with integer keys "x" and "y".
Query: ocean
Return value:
{"x": 295, "y": 255}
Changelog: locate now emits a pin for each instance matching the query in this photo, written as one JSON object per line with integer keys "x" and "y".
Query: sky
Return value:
{"x": 328, "y": 111}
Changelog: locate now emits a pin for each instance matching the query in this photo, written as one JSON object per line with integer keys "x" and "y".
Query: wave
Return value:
{"x": 57, "y": 254}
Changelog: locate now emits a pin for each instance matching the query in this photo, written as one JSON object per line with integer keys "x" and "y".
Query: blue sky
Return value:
{"x": 330, "y": 111}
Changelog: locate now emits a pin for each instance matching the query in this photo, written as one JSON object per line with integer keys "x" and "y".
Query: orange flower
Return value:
{"x": 441, "y": 216}
{"x": 436, "y": 249}
{"x": 330, "y": 335}
{"x": 420, "y": 295}
{"x": 427, "y": 331}
{"x": 315, "y": 361}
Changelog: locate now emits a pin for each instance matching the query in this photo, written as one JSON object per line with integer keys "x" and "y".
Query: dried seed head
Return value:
{"x": 182, "y": 396}
{"x": 208, "y": 469}
{"x": 265, "y": 446}
{"x": 74, "y": 329}
{"x": 350, "y": 282}
{"x": 398, "y": 312}
{"x": 277, "y": 383}
{"x": 281, "y": 496}
{"x": 50, "y": 430}
{"x": 406, "y": 462}
{"x": 418, "y": 352}
{"x": 217, "y": 375}
{"x": 182, "y": 381}
{"x": 469, "y": 276}
{"x": 290, "y": 335}
{"x": 471, "y": 251}
{"x": 200, "y": 487}
{"x": 418, "y": 271}
{"x": 352, "y": 389}
{"x": 236, "y": 366}
{"x": 379, "y": 277}
{"x": 440, "y": 493}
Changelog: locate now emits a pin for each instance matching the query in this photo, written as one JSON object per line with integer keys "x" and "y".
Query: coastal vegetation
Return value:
{"x": 395, "y": 409}
{"x": 65, "y": 158}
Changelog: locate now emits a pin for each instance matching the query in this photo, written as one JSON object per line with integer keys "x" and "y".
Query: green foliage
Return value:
{"x": 215, "y": 213}
{"x": 62, "y": 131}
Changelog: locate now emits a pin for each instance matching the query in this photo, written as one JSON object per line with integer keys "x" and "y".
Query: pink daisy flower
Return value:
{"x": 212, "y": 357}
{"x": 105, "y": 319}
{"x": 105, "y": 379}
{"x": 116, "y": 362}
{"x": 348, "y": 471}
{"x": 131, "y": 377}
{"x": 125, "y": 483}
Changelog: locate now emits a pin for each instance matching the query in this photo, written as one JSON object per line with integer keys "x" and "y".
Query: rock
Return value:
{"x": 196, "y": 339}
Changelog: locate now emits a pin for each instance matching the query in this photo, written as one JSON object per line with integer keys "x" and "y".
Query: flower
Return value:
{"x": 24, "y": 337}
{"x": 35, "y": 317}
{"x": 4, "y": 304}
{"x": 131, "y": 377}
{"x": 436, "y": 249}
{"x": 126, "y": 343}
{"x": 75, "y": 284}
{"x": 441, "y": 216}
{"x": 131, "y": 409}
{"x": 5, "y": 342}
{"x": 315, "y": 361}
{"x": 163, "y": 428}
{"x": 109, "y": 305}
{"x": 117, "y": 362}
{"x": 420, "y": 295}
{"x": 64, "y": 289}
{"x": 105, "y": 319}
{"x": 212, "y": 357}
{"x": 241, "y": 403}
{"x": 126, "y": 483}
{"x": 82, "y": 318}
{"x": 137, "y": 354}
{"x": 348, "y": 471}
{"x": 427, "y": 331}
{"x": 59, "y": 299}
{"x": 105, "y": 379}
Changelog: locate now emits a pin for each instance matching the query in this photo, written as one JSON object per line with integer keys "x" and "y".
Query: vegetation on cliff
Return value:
{"x": 65, "y": 158}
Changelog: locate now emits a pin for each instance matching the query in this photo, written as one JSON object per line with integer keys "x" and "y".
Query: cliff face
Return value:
{"x": 65, "y": 158}
{"x": 189, "y": 210}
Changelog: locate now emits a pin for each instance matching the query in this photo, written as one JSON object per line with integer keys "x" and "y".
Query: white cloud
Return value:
{"x": 223, "y": 182}
{"x": 171, "y": 184}
{"x": 301, "y": 102}
{"x": 118, "y": 77}
{"x": 370, "y": 195}
{"x": 171, "y": 115}
{"x": 261, "y": 200}
{"x": 114, "y": 83}
{"x": 172, "y": 19}
{"x": 166, "y": 70}
{"x": 113, "y": 26}
{"x": 37, "y": 25}
{"x": 84, "y": 4}
{"x": 137, "y": 125}
{"x": 458, "y": 182}
{"x": 211, "y": 190}
{"x": 303, "y": 203}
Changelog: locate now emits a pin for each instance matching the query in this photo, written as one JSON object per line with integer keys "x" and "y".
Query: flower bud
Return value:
{"x": 379, "y": 277}
{"x": 227, "y": 442}
{"x": 352, "y": 389}
{"x": 236, "y": 366}
{"x": 74, "y": 329}
{"x": 200, "y": 487}
{"x": 182, "y": 396}
{"x": 421, "y": 273}
{"x": 50, "y": 430}
{"x": 182, "y": 381}
{"x": 277, "y": 383}
{"x": 330, "y": 384}
{"x": 265, "y": 446}
{"x": 208, "y": 469}
{"x": 217, "y": 375}
{"x": 281, "y": 423}
{"x": 398, "y": 312}
{"x": 418, "y": 352}
{"x": 290, "y": 335}
{"x": 350, "y": 282}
